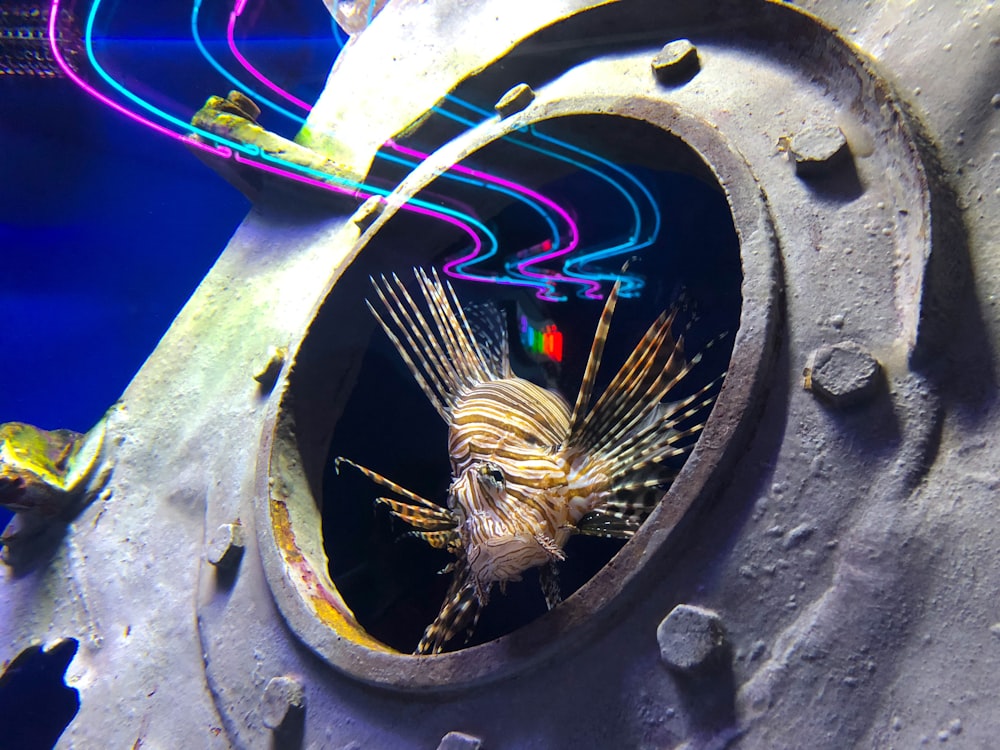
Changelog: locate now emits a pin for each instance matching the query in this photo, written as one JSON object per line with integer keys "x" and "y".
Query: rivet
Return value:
{"x": 244, "y": 104}
{"x": 368, "y": 212}
{"x": 460, "y": 741}
{"x": 676, "y": 63}
{"x": 691, "y": 638}
{"x": 226, "y": 546}
{"x": 284, "y": 700}
{"x": 515, "y": 100}
{"x": 267, "y": 373}
{"x": 818, "y": 150}
{"x": 843, "y": 374}
{"x": 235, "y": 103}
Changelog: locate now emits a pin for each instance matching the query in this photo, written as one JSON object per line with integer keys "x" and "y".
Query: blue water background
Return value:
{"x": 106, "y": 227}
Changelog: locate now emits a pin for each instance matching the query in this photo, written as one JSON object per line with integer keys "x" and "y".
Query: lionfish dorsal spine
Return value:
{"x": 440, "y": 348}
{"x": 456, "y": 346}
{"x": 495, "y": 359}
{"x": 593, "y": 362}
{"x": 431, "y": 384}
{"x": 632, "y": 393}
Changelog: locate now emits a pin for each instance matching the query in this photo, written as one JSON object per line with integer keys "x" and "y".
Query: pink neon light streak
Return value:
{"x": 230, "y": 36}
{"x": 593, "y": 287}
{"x": 476, "y": 241}
{"x": 593, "y": 291}
{"x": 223, "y": 151}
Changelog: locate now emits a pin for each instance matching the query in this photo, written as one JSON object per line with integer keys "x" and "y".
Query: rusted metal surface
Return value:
{"x": 845, "y": 552}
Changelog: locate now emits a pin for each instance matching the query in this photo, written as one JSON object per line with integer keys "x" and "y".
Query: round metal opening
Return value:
{"x": 350, "y": 394}
{"x": 676, "y": 231}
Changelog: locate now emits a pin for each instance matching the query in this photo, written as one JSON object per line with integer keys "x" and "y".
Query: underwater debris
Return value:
{"x": 44, "y": 474}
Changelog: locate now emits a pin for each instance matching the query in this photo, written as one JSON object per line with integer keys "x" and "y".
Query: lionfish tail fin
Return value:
{"x": 460, "y": 612}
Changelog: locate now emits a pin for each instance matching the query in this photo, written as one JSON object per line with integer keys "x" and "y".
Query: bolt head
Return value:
{"x": 843, "y": 375}
{"x": 268, "y": 370}
{"x": 226, "y": 546}
{"x": 460, "y": 741}
{"x": 691, "y": 638}
{"x": 284, "y": 697}
{"x": 368, "y": 212}
{"x": 244, "y": 105}
{"x": 515, "y": 100}
{"x": 676, "y": 63}
{"x": 818, "y": 150}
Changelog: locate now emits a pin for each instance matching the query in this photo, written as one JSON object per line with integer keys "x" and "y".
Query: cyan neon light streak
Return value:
{"x": 222, "y": 151}
{"x": 260, "y": 99}
{"x": 631, "y": 285}
{"x": 593, "y": 290}
{"x": 324, "y": 180}
{"x": 89, "y": 43}
{"x": 520, "y": 192}
{"x": 549, "y": 290}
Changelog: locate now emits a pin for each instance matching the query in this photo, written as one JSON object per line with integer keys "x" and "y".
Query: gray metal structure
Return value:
{"x": 833, "y": 541}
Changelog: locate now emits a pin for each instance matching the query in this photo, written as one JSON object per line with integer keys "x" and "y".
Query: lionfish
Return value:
{"x": 528, "y": 470}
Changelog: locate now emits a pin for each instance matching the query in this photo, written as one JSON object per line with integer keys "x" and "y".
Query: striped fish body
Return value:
{"x": 528, "y": 470}
{"x": 512, "y": 496}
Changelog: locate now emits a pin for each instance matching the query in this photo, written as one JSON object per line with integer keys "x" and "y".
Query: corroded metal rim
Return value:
{"x": 289, "y": 520}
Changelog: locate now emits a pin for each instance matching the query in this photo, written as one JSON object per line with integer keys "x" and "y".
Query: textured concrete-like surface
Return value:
{"x": 849, "y": 553}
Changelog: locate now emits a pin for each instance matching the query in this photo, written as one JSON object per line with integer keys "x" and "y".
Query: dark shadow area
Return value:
{"x": 225, "y": 576}
{"x": 708, "y": 699}
{"x": 953, "y": 345}
{"x": 291, "y": 734}
{"x": 36, "y": 706}
{"x": 836, "y": 182}
{"x": 33, "y": 548}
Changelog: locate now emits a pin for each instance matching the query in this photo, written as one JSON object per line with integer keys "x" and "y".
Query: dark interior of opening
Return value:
{"x": 35, "y": 704}
{"x": 382, "y": 419}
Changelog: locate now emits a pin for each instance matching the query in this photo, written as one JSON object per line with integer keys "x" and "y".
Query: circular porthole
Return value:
{"x": 349, "y": 579}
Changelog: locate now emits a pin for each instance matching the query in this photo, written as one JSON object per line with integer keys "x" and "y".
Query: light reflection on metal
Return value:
{"x": 638, "y": 239}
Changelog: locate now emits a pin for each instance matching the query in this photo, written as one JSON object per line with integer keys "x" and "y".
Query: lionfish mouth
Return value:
{"x": 528, "y": 470}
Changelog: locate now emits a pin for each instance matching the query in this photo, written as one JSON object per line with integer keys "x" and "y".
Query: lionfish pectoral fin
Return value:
{"x": 610, "y": 523}
{"x": 387, "y": 483}
{"x": 550, "y": 546}
{"x": 548, "y": 578}
{"x": 419, "y": 517}
{"x": 460, "y": 612}
{"x": 443, "y": 539}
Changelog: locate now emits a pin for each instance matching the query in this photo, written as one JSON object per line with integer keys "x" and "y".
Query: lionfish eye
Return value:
{"x": 490, "y": 473}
